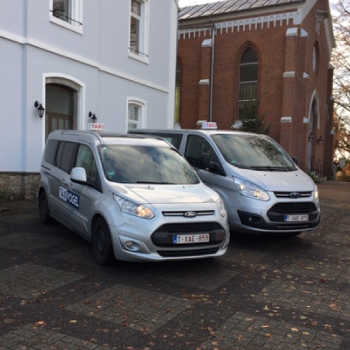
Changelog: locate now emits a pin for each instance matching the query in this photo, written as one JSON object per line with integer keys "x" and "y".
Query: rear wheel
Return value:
{"x": 102, "y": 245}
{"x": 44, "y": 212}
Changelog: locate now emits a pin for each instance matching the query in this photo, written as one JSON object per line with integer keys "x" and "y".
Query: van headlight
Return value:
{"x": 221, "y": 207}
{"x": 316, "y": 192}
{"x": 132, "y": 208}
{"x": 251, "y": 190}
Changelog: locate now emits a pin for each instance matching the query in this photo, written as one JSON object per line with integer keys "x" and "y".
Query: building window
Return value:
{"x": 135, "y": 115}
{"x": 67, "y": 13}
{"x": 248, "y": 85}
{"x": 138, "y": 28}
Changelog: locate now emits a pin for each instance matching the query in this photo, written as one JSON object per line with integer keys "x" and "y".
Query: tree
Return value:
{"x": 341, "y": 82}
{"x": 251, "y": 121}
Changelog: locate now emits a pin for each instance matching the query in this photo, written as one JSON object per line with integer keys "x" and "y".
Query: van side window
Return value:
{"x": 50, "y": 151}
{"x": 174, "y": 139}
{"x": 86, "y": 160}
{"x": 66, "y": 155}
{"x": 197, "y": 145}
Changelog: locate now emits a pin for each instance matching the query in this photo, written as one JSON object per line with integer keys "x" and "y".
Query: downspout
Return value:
{"x": 213, "y": 35}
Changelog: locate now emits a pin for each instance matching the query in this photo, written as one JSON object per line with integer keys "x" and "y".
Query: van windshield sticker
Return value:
{"x": 69, "y": 197}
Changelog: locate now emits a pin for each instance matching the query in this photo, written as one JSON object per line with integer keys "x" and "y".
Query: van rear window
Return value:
{"x": 50, "y": 151}
{"x": 66, "y": 156}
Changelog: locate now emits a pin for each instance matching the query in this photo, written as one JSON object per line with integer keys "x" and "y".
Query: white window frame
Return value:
{"x": 142, "y": 54}
{"x": 76, "y": 13}
{"x": 141, "y": 122}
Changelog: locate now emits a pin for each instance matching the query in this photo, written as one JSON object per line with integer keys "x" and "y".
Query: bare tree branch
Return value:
{"x": 341, "y": 80}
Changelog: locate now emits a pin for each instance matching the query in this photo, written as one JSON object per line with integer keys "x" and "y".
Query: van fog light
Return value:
{"x": 253, "y": 219}
{"x": 132, "y": 246}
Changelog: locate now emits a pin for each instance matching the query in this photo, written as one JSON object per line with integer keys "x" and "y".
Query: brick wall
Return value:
{"x": 16, "y": 186}
{"x": 279, "y": 95}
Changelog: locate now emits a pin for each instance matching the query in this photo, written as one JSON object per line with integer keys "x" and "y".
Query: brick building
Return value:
{"x": 273, "y": 53}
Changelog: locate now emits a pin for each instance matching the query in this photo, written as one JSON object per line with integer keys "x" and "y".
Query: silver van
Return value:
{"x": 134, "y": 197}
{"x": 263, "y": 189}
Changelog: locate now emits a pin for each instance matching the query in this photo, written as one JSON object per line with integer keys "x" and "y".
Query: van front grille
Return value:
{"x": 293, "y": 208}
{"x": 191, "y": 227}
{"x": 182, "y": 213}
{"x": 293, "y": 195}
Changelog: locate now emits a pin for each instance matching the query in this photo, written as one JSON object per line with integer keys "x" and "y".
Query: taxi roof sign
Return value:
{"x": 96, "y": 126}
{"x": 209, "y": 125}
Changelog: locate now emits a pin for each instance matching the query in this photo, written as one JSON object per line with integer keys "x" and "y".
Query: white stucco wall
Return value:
{"x": 33, "y": 48}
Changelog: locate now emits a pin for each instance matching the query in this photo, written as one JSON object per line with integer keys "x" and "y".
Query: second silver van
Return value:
{"x": 263, "y": 189}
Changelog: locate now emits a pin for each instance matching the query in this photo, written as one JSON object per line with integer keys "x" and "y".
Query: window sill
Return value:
{"x": 74, "y": 28}
{"x": 140, "y": 58}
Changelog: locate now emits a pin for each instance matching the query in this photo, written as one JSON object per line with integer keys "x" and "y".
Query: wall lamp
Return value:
{"x": 311, "y": 136}
{"x": 40, "y": 108}
{"x": 320, "y": 140}
{"x": 93, "y": 117}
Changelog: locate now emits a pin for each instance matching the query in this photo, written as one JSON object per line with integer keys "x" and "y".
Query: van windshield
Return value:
{"x": 145, "y": 164}
{"x": 257, "y": 152}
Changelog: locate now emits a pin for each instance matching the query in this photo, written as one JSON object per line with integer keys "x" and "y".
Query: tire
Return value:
{"x": 44, "y": 211}
{"x": 102, "y": 245}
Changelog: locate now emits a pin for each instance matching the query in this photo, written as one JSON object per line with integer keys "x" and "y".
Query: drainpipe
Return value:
{"x": 213, "y": 35}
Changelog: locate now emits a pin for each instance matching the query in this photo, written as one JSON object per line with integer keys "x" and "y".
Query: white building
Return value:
{"x": 112, "y": 59}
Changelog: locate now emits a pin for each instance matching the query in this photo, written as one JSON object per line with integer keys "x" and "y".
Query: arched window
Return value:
{"x": 248, "y": 83}
{"x": 136, "y": 114}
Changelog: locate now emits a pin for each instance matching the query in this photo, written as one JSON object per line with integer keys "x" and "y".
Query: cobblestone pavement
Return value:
{"x": 265, "y": 293}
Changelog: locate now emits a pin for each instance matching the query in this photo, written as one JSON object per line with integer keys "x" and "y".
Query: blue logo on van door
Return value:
{"x": 69, "y": 197}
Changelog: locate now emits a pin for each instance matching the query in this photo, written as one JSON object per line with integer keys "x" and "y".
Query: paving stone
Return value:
{"x": 195, "y": 276}
{"x": 321, "y": 269}
{"x": 243, "y": 257}
{"x": 272, "y": 293}
{"x": 132, "y": 307}
{"x": 261, "y": 332}
{"x": 31, "y": 337}
{"x": 28, "y": 241}
{"x": 307, "y": 298}
{"x": 29, "y": 280}
{"x": 82, "y": 255}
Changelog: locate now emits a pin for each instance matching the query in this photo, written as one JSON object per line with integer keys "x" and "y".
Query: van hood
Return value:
{"x": 277, "y": 180}
{"x": 166, "y": 194}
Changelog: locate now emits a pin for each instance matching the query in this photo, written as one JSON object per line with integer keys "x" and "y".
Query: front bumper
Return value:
{"x": 257, "y": 223}
{"x": 135, "y": 244}
{"x": 264, "y": 217}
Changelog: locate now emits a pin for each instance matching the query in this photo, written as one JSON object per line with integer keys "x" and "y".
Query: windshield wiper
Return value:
{"x": 271, "y": 168}
{"x": 155, "y": 182}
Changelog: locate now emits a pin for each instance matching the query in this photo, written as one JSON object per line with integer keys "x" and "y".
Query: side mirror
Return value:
{"x": 206, "y": 163}
{"x": 295, "y": 160}
{"x": 78, "y": 175}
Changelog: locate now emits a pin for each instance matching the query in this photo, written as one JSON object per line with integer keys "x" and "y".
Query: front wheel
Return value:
{"x": 102, "y": 245}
